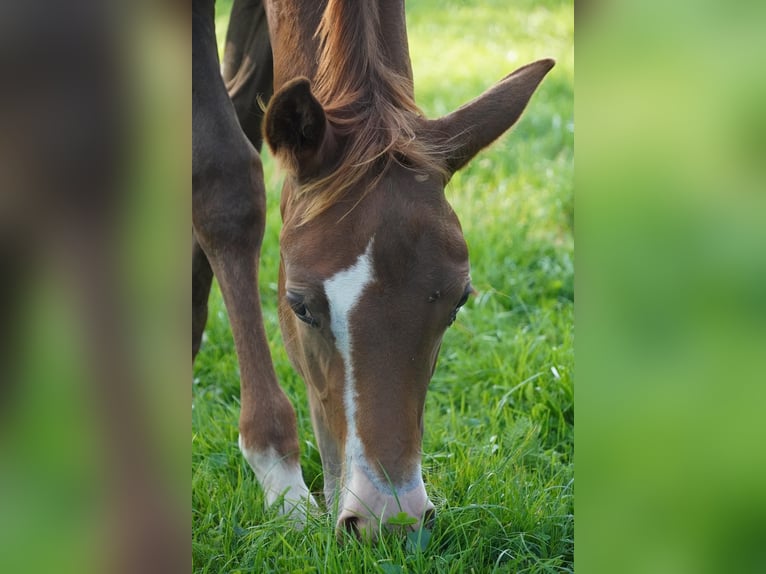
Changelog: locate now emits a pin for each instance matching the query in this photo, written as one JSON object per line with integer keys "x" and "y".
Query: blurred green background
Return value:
{"x": 671, "y": 279}
{"x": 670, "y": 282}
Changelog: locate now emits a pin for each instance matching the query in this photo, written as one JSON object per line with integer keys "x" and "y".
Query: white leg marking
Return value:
{"x": 343, "y": 291}
{"x": 278, "y": 477}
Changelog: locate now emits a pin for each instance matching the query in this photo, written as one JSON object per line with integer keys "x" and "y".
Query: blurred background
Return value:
{"x": 671, "y": 276}
{"x": 670, "y": 280}
{"x": 94, "y": 296}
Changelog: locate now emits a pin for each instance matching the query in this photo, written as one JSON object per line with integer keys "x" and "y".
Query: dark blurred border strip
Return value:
{"x": 94, "y": 179}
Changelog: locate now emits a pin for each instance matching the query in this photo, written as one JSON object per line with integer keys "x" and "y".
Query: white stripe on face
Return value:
{"x": 343, "y": 291}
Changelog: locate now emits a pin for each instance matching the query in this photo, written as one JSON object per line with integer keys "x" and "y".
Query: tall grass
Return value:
{"x": 499, "y": 440}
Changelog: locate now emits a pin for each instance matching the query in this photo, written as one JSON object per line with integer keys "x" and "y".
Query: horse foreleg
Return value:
{"x": 229, "y": 218}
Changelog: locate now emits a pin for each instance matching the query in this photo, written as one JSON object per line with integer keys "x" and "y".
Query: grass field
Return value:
{"x": 499, "y": 442}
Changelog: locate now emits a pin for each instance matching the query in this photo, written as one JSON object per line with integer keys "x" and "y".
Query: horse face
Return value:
{"x": 365, "y": 298}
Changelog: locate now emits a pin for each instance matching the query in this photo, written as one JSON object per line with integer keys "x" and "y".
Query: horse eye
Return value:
{"x": 463, "y": 300}
{"x": 299, "y": 308}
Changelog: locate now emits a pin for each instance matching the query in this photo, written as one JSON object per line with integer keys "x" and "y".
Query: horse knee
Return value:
{"x": 229, "y": 203}
{"x": 268, "y": 421}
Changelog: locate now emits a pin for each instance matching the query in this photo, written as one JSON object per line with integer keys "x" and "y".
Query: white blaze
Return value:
{"x": 343, "y": 291}
{"x": 368, "y": 495}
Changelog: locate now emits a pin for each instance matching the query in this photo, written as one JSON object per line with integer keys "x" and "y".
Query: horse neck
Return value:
{"x": 293, "y": 25}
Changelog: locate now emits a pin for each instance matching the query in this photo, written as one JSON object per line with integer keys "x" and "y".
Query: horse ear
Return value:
{"x": 478, "y": 123}
{"x": 294, "y": 126}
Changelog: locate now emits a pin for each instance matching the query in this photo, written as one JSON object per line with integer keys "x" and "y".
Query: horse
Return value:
{"x": 373, "y": 263}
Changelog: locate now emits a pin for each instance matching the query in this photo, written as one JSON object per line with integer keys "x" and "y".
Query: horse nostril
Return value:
{"x": 429, "y": 518}
{"x": 351, "y": 525}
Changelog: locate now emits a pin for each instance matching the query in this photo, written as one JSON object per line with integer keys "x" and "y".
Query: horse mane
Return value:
{"x": 368, "y": 104}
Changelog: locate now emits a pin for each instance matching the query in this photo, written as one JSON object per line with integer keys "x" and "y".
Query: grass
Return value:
{"x": 499, "y": 442}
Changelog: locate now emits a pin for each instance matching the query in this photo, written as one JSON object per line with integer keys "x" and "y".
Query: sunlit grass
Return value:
{"x": 499, "y": 439}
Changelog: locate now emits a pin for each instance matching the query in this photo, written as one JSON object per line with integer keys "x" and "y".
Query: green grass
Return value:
{"x": 499, "y": 443}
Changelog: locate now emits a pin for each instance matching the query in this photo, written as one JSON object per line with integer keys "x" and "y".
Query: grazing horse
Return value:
{"x": 374, "y": 266}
